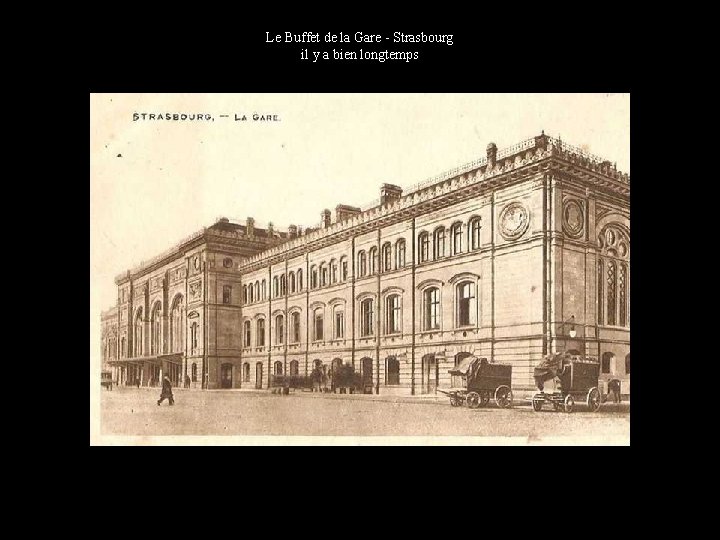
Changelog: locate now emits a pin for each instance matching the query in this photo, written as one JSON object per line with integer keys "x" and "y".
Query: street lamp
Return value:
{"x": 572, "y": 332}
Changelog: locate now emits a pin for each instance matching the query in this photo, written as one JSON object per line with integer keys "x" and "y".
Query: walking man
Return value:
{"x": 166, "y": 392}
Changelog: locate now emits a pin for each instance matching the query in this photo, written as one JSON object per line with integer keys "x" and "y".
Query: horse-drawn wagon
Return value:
{"x": 571, "y": 378}
{"x": 481, "y": 381}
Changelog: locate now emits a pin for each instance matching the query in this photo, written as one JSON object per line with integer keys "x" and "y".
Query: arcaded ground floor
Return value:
{"x": 133, "y": 411}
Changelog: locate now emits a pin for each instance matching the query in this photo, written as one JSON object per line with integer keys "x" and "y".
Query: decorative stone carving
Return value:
{"x": 514, "y": 221}
{"x": 196, "y": 290}
{"x": 573, "y": 218}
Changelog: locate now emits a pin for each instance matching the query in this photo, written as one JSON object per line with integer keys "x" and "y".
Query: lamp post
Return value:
{"x": 572, "y": 332}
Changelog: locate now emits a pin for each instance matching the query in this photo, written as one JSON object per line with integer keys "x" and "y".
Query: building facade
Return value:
{"x": 521, "y": 253}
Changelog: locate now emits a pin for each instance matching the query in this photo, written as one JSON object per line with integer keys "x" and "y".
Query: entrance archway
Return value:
{"x": 226, "y": 372}
{"x": 258, "y": 375}
{"x": 456, "y": 381}
{"x": 366, "y": 365}
{"x": 430, "y": 374}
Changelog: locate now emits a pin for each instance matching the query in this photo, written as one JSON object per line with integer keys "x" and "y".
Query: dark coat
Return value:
{"x": 166, "y": 388}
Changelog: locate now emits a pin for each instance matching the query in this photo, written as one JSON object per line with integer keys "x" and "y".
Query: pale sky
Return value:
{"x": 175, "y": 177}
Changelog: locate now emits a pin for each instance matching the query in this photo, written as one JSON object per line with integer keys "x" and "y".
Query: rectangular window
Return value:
{"x": 247, "y": 333}
{"x": 261, "y": 333}
{"x": 296, "y": 327}
{"x": 393, "y": 314}
{"x": 319, "y": 327}
{"x": 466, "y": 304}
{"x": 279, "y": 330}
{"x": 339, "y": 325}
{"x": 366, "y": 318}
{"x": 432, "y": 309}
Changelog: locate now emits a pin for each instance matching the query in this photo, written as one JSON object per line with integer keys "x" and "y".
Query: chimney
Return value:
{"x": 325, "y": 215}
{"x": 292, "y": 231}
{"x": 343, "y": 212}
{"x": 491, "y": 154}
{"x": 390, "y": 193}
{"x": 250, "y": 227}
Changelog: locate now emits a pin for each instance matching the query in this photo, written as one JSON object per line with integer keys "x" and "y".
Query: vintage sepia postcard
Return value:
{"x": 360, "y": 269}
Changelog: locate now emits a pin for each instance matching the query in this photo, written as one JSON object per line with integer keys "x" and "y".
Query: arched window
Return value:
{"x": 387, "y": 257}
{"x": 323, "y": 275}
{"x": 605, "y": 362}
{"x": 627, "y": 364}
{"x": 423, "y": 247}
{"x": 177, "y": 326}
{"x": 138, "y": 334}
{"x": 439, "y": 243}
{"x": 193, "y": 372}
{"x": 295, "y": 318}
{"x": 466, "y": 304}
{"x": 283, "y": 285}
{"x": 362, "y": 264}
{"x": 431, "y": 301}
{"x": 294, "y": 367}
{"x": 313, "y": 277}
{"x": 366, "y": 317}
{"x": 122, "y": 347}
{"x": 392, "y": 314}
{"x": 612, "y": 281}
{"x": 246, "y": 372}
{"x": 155, "y": 331}
{"x": 318, "y": 326}
{"x": 276, "y": 287}
{"x": 611, "y": 288}
{"x": 292, "y": 282}
{"x": 622, "y": 294}
{"x": 193, "y": 338}
{"x": 251, "y": 294}
{"x": 246, "y": 334}
{"x": 373, "y": 260}
{"x": 343, "y": 269}
{"x": 474, "y": 233}
{"x": 258, "y": 374}
{"x": 245, "y": 294}
{"x": 260, "y": 333}
{"x": 264, "y": 291}
{"x": 279, "y": 329}
{"x": 300, "y": 279}
{"x": 392, "y": 371}
{"x": 333, "y": 271}
{"x": 456, "y": 235}
{"x": 278, "y": 368}
{"x": 400, "y": 254}
{"x": 600, "y": 302}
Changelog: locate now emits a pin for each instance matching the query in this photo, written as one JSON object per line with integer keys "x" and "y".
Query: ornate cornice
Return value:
{"x": 532, "y": 157}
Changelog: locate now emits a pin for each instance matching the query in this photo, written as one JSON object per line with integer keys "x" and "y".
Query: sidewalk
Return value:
{"x": 519, "y": 397}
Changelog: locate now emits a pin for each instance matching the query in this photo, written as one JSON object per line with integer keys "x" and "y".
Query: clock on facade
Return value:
{"x": 514, "y": 221}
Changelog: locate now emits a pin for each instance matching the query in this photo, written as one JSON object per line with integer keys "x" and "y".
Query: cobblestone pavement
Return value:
{"x": 130, "y": 411}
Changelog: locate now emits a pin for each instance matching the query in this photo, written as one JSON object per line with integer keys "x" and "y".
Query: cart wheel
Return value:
{"x": 556, "y": 406}
{"x": 569, "y": 404}
{"x": 537, "y": 404}
{"x": 473, "y": 400}
{"x": 503, "y": 397}
{"x": 455, "y": 402}
{"x": 593, "y": 399}
{"x": 485, "y": 398}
